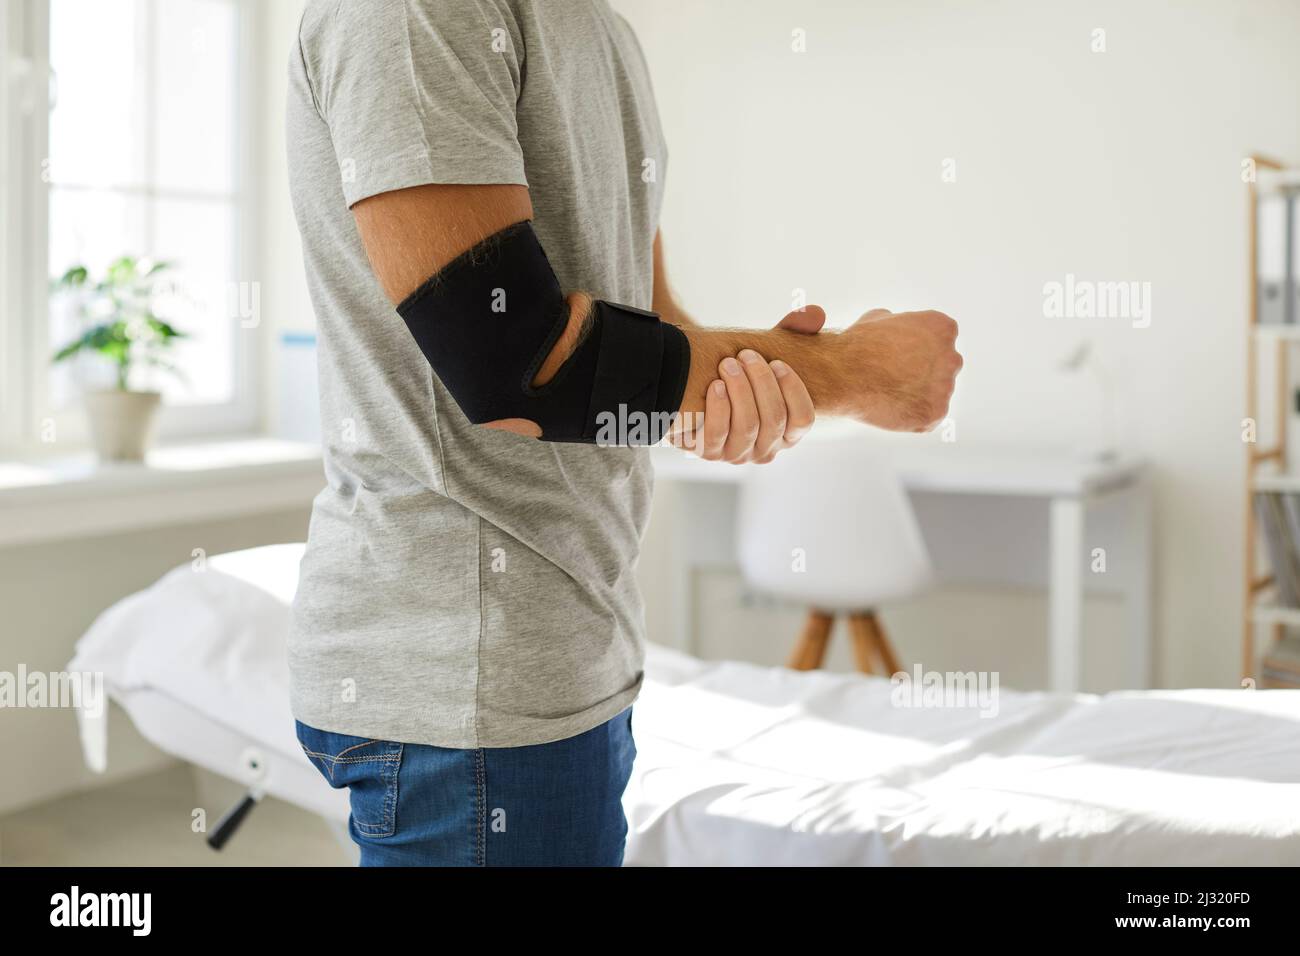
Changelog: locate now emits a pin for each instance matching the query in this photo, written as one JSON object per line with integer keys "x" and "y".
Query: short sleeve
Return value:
{"x": 416, "y": 92}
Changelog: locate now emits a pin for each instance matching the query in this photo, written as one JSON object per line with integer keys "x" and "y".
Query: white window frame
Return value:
{"x": 15, "y": 85}
{"x": 25, "y": 345}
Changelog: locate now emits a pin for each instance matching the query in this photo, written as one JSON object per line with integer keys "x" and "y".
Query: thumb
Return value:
{"x": 808, "y": 320}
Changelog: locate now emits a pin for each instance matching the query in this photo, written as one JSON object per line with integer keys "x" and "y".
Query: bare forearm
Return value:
{"x": 664, "y": 302}
{"x": 817, "y": 359}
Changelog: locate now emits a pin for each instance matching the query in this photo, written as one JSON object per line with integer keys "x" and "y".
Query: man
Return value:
{"x": 480, "y": 231}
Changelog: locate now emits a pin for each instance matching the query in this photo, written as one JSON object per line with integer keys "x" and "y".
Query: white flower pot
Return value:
{"x": 121, "y": 423}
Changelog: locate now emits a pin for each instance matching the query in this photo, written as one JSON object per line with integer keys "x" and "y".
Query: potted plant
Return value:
{"x": 124, "y": 330}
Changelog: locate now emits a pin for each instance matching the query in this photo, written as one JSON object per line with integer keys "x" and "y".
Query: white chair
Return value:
{"x": 829, "y": 525}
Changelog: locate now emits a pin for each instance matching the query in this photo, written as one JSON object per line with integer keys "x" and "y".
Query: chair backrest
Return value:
{"x": 829, "y": 524}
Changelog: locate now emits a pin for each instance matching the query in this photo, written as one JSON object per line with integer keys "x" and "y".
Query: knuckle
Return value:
{"x": 945, "y": 325}
{"x": 800, "y": 421}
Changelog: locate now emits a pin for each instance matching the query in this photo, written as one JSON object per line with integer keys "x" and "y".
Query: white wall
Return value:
{"x": 821, "y": 171}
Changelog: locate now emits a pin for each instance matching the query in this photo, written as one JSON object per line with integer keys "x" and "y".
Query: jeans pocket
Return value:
{"x": 367, "y": 767}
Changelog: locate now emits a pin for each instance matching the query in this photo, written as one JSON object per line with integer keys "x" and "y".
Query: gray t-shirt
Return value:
{"x": 465, "y": 587}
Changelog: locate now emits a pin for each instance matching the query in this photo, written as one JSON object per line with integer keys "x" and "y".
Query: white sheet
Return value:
{"x": 739, "y": 764}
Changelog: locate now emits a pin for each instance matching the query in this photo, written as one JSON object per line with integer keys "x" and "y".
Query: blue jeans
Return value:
{"x": 556, "y": 804}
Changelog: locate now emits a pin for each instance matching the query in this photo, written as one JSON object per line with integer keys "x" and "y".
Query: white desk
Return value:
{"x": 1067, "y": 484}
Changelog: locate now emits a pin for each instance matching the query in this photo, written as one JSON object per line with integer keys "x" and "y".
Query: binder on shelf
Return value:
{"x": 1292, "y": 282}
{"x": 1274, "y": 273}
{"x": 1280, "y": 538}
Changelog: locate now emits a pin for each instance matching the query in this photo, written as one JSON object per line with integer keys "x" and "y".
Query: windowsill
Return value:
{"x": 64, "y": 498}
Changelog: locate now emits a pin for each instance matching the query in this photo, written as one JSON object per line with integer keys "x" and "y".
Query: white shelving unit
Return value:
{"x": 1266, "y": 466}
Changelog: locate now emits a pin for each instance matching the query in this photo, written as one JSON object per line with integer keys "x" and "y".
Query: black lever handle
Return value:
{"x": 228, "y": 824}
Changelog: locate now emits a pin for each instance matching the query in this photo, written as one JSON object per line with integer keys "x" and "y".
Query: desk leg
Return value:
{"x": 1141, "y": 645}
{"x": 682, "y": 558}
{"x": 1065, "y": 594}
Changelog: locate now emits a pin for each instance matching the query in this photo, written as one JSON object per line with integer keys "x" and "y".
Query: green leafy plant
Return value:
{"x": 120, "y": 304}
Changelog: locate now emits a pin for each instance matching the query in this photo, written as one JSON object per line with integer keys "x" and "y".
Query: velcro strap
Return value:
{"x": 628, "y": 364}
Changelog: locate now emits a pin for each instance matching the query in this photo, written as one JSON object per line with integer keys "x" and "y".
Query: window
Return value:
{"x": 139, "y": 154}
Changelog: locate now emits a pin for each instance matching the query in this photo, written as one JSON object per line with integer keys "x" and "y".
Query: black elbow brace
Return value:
{"x": 488, "y": 320}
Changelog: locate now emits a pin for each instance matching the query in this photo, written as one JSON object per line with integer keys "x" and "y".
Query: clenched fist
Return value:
{"x": 902, "y": 369}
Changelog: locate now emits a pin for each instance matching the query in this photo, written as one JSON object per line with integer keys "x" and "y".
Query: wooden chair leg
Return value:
{"x": 810, "y": 650}
{"x": 869, "y": 626}
{"x": 864, "y": 642}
